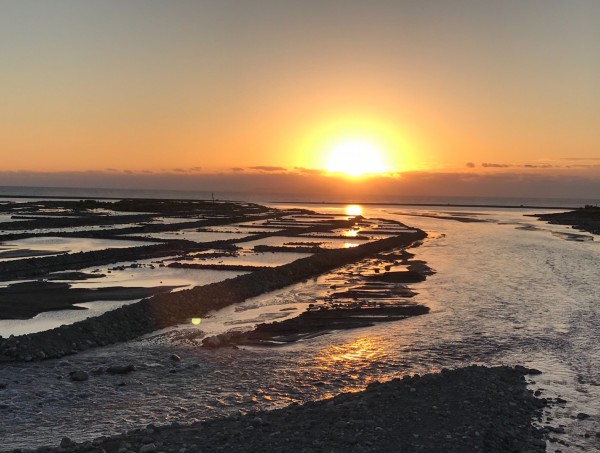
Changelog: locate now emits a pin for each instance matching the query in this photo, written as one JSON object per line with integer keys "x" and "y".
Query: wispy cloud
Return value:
{"x": 267, "y": 168}
{"x": 309, "y": 171}
{"x": 539, "y": 166}
{"x": 494, "y": 165}
{"x": 580, "y": 158}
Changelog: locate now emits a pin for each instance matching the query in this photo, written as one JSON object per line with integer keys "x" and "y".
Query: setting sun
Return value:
{"x": 355, "y": 158}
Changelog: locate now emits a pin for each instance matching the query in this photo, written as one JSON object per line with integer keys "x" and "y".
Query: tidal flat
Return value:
{"x": 160, "y": 347}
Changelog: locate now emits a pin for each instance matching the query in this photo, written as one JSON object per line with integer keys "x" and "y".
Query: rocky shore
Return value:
{"x": 164, "y": 310}
{"x": 583, "y": 219}
{"x": 465, "y": 410}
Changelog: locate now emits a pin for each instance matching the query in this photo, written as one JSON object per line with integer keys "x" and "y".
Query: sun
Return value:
{"x": 355, "y": 157}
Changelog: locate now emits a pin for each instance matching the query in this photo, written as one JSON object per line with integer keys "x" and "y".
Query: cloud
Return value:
{"x": 299, "y": 185}
{"x": 268, "y": 168}
{"x": 470, "y": 165}
{"x": 491, "y": 165}
{"x": 584, "y": 166}
{"x": 539, "y": 166}
{"x": 309, "y": 171}
{"x": 580, "y": 158}
{"x": 237, "y": 169}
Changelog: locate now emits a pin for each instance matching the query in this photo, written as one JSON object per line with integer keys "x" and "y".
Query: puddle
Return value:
{"x": 247, "y": 258}
{"x": 58, "y": 245}
{"x": 148, "y": 273}
{"x": 194, "y": 235}
{"x": 295, "y": 241}
{"x": 52, "y": 319}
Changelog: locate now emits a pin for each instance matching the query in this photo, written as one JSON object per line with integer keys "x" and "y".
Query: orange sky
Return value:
{"x": 211, "y": 86}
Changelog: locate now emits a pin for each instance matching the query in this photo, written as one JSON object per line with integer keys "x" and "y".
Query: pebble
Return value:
{"x": 78, "y": 376}
{"x": 120, "y": 369}
{"x": 148, "y": 448}
{"x": 66, "y": 442}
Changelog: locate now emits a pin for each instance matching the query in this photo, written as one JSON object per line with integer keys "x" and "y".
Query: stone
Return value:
{"x": 78, "y": 376}
{"x": 582, "y": 416}
{"x": 175, "y": 358}
{"x": 66, "y": 442}
{"x": 148, "y": 448}
{"x": 212, "y": 342}
{"x": 120, "y": 369}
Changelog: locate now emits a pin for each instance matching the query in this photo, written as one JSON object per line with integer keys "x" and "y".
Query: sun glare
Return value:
{"x": 354, "y": 210}
{"x": 355, "y": 158}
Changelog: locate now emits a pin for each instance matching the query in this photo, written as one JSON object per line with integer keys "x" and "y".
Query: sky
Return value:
{"x": 242, "y": 93}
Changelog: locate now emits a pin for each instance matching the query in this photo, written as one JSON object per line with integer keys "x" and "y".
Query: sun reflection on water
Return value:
{"x": 354, "y": 209}
{"x": 347, "y": 361}
{"x": 349, "y": 356}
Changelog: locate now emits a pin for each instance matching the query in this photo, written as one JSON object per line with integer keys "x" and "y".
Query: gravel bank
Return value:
{"x": 464, "y": 410}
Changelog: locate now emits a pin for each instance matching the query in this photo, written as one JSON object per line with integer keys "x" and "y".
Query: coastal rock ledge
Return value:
{"x": 464, "y": 410}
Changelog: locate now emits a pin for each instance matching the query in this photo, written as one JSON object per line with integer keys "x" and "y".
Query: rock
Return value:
{"x": 148, "y": 448}
{"x": 66, "y": 442}
{"x": 175, "y": 358}
{"x": 582, "y": 416}
{"x": 212, "y": 342}
{"x": 78, "y": 376}
{"x": 120, "y": 369}
{"x": 257, "y": 421}
{"x": 524, "y": 370}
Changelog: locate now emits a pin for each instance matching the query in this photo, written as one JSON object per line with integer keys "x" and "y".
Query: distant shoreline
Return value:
{"x": 321, "y": 203}
{"x": 448, "y": 205}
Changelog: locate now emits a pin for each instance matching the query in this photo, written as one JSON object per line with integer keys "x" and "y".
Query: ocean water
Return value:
{"x": 13, "y": 193}
{"x": 507, "y": 290}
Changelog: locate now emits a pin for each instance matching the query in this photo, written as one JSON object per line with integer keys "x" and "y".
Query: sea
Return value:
{"x": 508, "y": 289}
